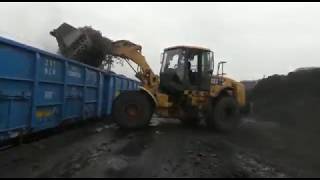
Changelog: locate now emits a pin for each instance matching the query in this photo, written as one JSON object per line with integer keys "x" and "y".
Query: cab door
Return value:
{"x": 206, "y": 70}
{"x": 199, "y": 70}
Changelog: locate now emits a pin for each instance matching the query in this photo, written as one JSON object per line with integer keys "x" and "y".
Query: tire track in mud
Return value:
{"x": 165, "y": 149}
{"x": 119, "y": 145}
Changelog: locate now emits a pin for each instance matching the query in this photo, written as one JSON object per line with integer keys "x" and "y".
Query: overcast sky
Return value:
{"x": 255, "y": 38}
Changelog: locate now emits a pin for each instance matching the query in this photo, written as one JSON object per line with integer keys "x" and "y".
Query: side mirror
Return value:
{"x": 210, "y": 71}
{"x": 221, "y": 63}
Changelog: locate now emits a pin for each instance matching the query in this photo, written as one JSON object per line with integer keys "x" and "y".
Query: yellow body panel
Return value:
{"x": 163, "y": 100}
{"x": 234, "y": 88}
{"x": 240, "y": 94}
{"x": 200, "y": 98}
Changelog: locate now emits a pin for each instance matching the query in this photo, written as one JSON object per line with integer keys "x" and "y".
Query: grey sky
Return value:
{"x": 255, "y": 38}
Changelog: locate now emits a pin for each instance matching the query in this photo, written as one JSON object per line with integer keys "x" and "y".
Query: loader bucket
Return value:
{"x": 84, "y": 44}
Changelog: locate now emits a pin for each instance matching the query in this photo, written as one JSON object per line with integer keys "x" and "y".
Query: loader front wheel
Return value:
{"x": 132, "y": 110}
{"x": 224, "y": 115}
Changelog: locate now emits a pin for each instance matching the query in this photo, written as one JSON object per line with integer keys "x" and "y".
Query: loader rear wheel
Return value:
{"x": 132, "y": 110}
{"x": 224, "y": 115}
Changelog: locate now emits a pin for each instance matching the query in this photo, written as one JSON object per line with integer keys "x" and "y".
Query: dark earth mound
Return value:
{"x": 293, "y": 102}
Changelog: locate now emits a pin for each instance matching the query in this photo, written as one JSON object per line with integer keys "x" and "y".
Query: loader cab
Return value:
{"x": 186, "y": 68}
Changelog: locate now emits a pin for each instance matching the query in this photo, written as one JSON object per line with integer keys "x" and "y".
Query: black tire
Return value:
{"x": 132, "y": 110}
{"x": 224, "y": 115}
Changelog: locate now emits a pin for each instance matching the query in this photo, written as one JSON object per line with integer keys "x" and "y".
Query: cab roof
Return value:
{"x": 187, "y": 47}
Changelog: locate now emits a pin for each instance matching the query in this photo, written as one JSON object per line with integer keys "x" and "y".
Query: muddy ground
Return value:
{"x": 165, "y": 149}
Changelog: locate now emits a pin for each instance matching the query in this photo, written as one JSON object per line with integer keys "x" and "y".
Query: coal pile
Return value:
{"x": 249, "y": 84}
{"x": 292, "y": 99}
{"x": 83, "y": 44}
{"x": 292, "y": 103}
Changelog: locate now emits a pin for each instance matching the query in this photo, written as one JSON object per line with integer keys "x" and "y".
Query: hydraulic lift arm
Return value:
{"x": 132, "y": 52}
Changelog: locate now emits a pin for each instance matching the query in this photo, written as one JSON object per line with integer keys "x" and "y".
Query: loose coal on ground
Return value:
{"x": 292, "y": 102}
{"x": 166, "y": 149}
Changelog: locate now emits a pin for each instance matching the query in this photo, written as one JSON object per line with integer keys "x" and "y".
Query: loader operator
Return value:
{"x": 190, "y": 73}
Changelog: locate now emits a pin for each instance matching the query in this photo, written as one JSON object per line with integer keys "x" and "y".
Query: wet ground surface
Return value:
{"x": 165, "y": 149}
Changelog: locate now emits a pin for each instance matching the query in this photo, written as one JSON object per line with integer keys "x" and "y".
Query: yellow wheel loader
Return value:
{"x": 186, "y": 87}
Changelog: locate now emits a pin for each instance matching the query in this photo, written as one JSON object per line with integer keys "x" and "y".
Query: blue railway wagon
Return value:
{"x": 113, "y": 86}
{"x": 40, "y": 90}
